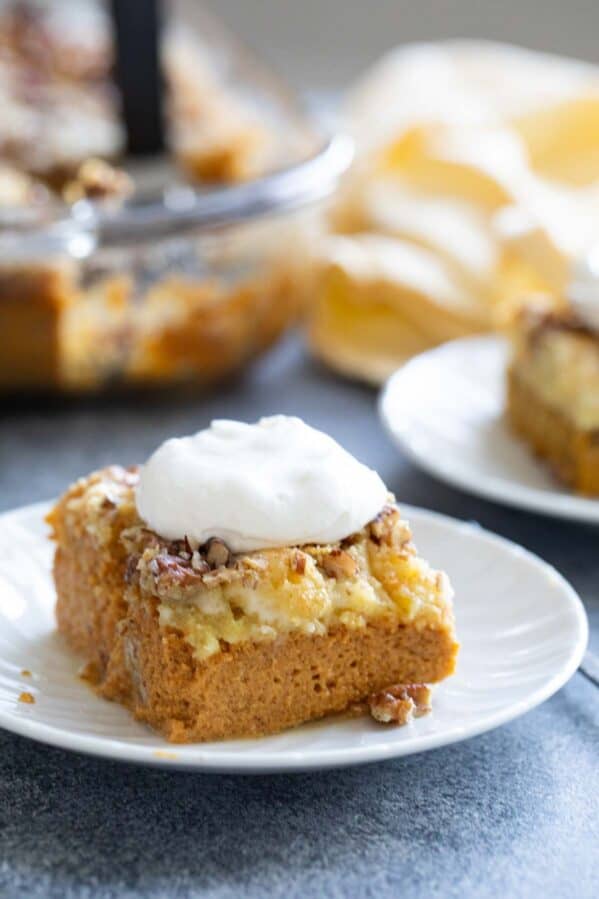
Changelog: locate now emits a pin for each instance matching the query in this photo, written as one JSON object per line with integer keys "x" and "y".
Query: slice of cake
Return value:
{"x": 246, "y": 580}
{"x": 553, "y": 387}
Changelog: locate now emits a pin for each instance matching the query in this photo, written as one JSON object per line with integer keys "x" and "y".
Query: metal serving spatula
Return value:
{"x": 138, "y": 73}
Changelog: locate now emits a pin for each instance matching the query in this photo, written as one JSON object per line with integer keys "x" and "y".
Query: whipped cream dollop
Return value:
{"x": 275, "y": 483}
{"x": 583, "y": 290}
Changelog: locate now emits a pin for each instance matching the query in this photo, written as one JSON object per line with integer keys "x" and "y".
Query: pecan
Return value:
{"x": 184, "y": 548}
{"x": 217, "y": 552}
{"x": 173, "y": 566}
{"x": 181, "y": 548}
{"x": 98, "y": 180}
{"x": 389, "y": 528}
{"x": 399, "y": 703}
{"x": 169, "y": 575}
{"x": 198, "y": 563}
{"x": 381, "y": 527}
{"x": 152, "y": 541}
{"x": 339, "y": 564}
{"x": 299, "y": 562}
{"x": 131, "y": 567}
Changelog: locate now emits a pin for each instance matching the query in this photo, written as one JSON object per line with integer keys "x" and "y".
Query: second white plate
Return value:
{"x": 445, "y": 409}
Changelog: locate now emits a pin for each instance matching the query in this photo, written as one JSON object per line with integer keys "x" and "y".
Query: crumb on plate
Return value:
{"x": 27, "y": 698}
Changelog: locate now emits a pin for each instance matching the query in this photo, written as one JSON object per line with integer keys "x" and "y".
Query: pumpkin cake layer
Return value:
{"x": 56, "y": 334}
{"x": 204, "y": 644}
{"x": 571, "y": 452}
{"x": 553, "y": 394}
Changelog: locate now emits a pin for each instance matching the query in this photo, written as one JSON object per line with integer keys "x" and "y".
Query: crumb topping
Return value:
{"x": 216, "y": 597}
{"x": 557, "y": 357}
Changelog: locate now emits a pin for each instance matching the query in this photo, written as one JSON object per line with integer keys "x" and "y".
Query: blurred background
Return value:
{"x": 475, "y": 184}
{"x": 325, "y": 44}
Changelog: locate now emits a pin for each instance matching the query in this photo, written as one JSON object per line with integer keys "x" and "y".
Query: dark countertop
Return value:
{"x": 513, "y": 813}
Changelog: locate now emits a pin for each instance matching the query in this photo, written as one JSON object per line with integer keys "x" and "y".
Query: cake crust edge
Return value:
{"x": 571, "y": 453}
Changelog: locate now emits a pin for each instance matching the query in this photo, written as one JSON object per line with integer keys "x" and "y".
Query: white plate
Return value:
{"x": 445, "y": 409}
{"x": 522, "y": 627}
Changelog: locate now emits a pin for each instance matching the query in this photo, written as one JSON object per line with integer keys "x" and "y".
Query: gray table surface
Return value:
{"x": 513, "y": 813}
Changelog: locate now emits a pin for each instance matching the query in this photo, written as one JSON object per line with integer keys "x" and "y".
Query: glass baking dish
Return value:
{"x": 186, "y": 279}
{"x": 186, "y": 289}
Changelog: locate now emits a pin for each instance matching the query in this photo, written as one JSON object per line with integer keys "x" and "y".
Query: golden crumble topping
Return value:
{"x": 557, "y": 357}
{"x": 214, "y": 596}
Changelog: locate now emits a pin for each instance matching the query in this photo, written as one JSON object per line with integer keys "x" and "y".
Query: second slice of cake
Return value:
{"x": 553, "y": 381}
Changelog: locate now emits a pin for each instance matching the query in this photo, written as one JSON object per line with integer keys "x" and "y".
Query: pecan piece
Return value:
{"x": 381, "y": 527}
{"x": 399, "y": 703}
{"x": 339, "y": 564}
{"x": 217, "y": 552}
{"x": 131, "y": 568}
{"x": 198, "y": 563}
{"x": 173, "y": 567}
{"x": 389, "y": 528}
{"x": 98, "y": 180}
{"x": 299, "y": 562}
{"x": 181, "y": 548}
